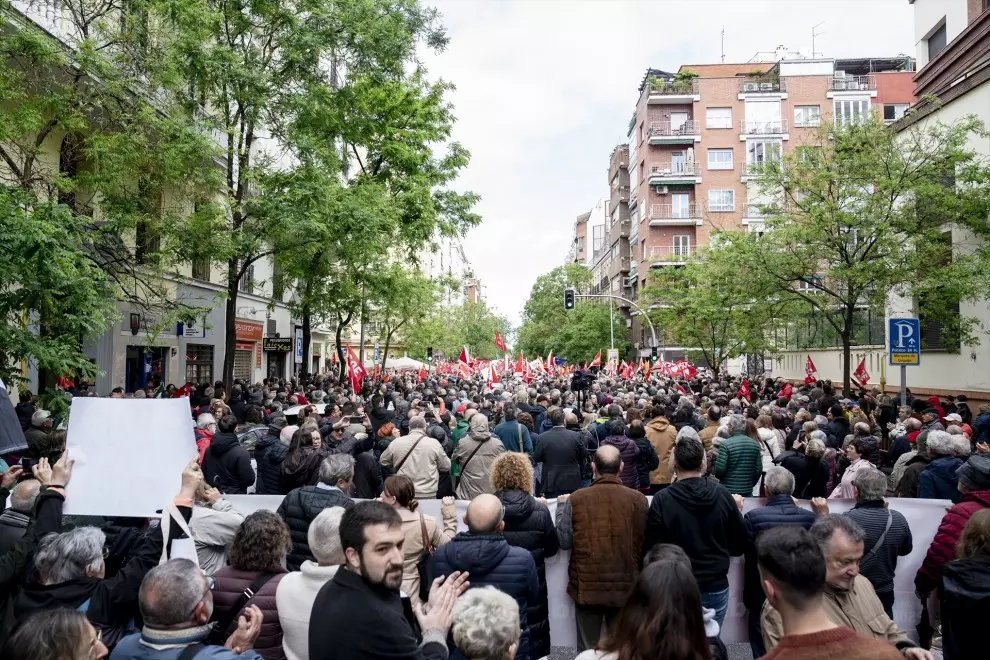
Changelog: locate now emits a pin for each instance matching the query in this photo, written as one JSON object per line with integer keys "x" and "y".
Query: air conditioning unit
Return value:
{"x": 766, "y": 87}
{"x": 751, "y": 87}
{"x": 662, "y": 190}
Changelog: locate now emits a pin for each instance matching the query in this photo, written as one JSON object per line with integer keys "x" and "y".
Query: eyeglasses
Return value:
{"x": 96, "y": 641}
{"x": 210, "y": 584}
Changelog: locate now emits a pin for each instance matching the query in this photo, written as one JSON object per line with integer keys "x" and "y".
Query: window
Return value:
{"x": 807, "y": 115}
{"x": 811, "y": 284}
{"x": 721, "y": 201}
{"x": 853, "y": 111}
{"x": 147, "y": 243}
{"x": 199, "y": 363}
{"x": 759, "y": 152}
{"x": 680, "y": 205}
{"x": 894, "y": 111}
{"x": 763, "y": 117}
{"x": 278, "y": 282}
{"x": 246, "y": 283}
{"x": 201, "y": 269}
{"x": 936, "y": 42}
{"x": 682, "y": 245}
{"x": 718, "y": 118}
{"x": 720, "y": 159}
{"x": 642, "y": 131}
{"x": 677, "y": 121}
{"x": 579, "y": 241}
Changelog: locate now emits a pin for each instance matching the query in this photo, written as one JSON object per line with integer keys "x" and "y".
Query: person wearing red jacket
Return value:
{"x": 974, "y": 483}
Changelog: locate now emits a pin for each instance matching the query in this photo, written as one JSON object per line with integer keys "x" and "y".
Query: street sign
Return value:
{"x": 613, "y": 355}
{"x": 299, "y": 346}
{"x": 904, "y": 342}
{"x": 376, "y": 353}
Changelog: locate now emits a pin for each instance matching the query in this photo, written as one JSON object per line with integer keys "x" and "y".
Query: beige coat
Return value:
{"x": 859, "y": 609}
{"x": 424, "y": 464}
{"x": 476, "y": 476}
{"x": 412, "y": 548}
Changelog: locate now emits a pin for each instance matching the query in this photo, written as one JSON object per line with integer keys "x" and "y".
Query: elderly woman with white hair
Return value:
{"x": 206, "y": 427}
{"x": 297, "y": 591}
{"x": 486, "y": 625}
{"x": 937, "y": 480}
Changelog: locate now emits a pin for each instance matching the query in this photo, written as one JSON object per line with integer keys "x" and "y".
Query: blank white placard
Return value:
{"x": 129, "y": 454}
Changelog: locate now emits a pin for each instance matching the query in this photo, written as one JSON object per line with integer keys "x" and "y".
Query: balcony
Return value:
{"x": 663, "y": 92}
{"x": 758, "y": 87}
{"x": 853, "y": 84}
{"x": 774, "y": 128}
{"x": 669, "y": 255}
{"x": 664, "y": 215}
{"x": 674, "y": 172}
{"x": 752, "y": 170}
{"x": 662, "y": 132}
{"x": 618, "y": 266}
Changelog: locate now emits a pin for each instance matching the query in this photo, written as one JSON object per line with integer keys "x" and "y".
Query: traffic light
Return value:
{"x": 429, "y": 353}
{"x": 654, "y": 353}
{"x": 568, "y": 298}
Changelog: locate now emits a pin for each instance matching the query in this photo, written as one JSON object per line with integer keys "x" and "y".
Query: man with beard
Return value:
{"x": 361, "y": 613}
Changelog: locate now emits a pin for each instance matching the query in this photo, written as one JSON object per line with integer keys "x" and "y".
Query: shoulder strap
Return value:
{"x": 191, "y": 651}
{"x": 242, "y": 600}
{"x": 519, "y": 433}
{"x": 411, "y": 449}
{"x": 427, "y": 546}
{"x": 876, "y": 546}
{"x": 464, "y": 466}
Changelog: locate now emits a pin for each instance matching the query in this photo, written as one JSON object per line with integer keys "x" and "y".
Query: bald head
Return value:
{"x": 570, "y": 418}
{"x": 23, "y": 497}
{"x": 484, "y": 515}
{"x": 608, "y": 461}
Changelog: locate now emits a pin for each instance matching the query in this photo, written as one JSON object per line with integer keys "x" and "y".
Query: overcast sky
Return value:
{"x": 545, "y": 90}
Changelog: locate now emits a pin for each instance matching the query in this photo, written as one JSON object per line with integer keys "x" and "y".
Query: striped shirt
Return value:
{"x": 879, "y": 568}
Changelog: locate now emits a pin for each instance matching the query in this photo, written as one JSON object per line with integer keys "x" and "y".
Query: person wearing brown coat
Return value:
{"x": 257, "y": 555}
{"x": 604, "y": 525}
{"x": 662, "y": 435}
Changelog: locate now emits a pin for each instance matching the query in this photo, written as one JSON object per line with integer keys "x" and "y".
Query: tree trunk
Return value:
{"x": 847, "y": 328}
{"x": 230, "y": 329}
{"x": 388, "y": 343}
{"x": 341, "y": 324}
{"x": 307, "y": 329}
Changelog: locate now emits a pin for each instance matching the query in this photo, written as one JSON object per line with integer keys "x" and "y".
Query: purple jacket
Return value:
{"x": 630, "y": 456}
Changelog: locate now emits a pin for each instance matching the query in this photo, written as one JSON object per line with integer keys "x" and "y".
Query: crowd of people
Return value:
{"x": 348, "y": 566}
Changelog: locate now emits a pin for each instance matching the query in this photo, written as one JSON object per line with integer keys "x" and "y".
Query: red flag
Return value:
{"x": 355, "y": 370}
{"x": 861, "y": 375}
{"x": 626, "y": 370}
{"x": 786, "y": 391}
{"x": 809, "y": 370}
{"x": 423, "y": 374}
{"x": 464, "y": 363}
{"x": 646, "y": 369}
{"x": 520, "y": 364}
{"x": 499, "y": 343}
{"x": 683, "y": 391}
{"x": 744, "y": 390}
{"x": 688, "y": 370}
{"x": 550, "y": 362}
{"x": 597, "y": 362}
{"x": 185, "y": 390}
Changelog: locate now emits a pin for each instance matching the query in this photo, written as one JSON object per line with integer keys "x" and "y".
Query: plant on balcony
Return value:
{"x": 684, "y": 81}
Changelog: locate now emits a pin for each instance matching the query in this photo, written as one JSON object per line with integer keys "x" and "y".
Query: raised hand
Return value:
{"x": 11, "y": 476}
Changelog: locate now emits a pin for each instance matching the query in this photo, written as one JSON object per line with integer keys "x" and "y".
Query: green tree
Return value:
{"x": 452, "y": 327}
{"x": 863, "y": 215}
{"x": 403, "y": 297}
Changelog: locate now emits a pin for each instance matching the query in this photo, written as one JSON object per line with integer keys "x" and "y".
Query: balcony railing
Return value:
{"x": 755, "y": 168}
{"x": 670, "y": 253}
{"x": 754, "y": 211}
{"x": 665, "y": 129}
{"x": 661, "y": 87}
{"x": 853, "y": 84}
{"x": 762, "y": 86}
{"x": 671, "y": 212}
{"x": 675, "y": 168}
{"x": 772, "y": 127}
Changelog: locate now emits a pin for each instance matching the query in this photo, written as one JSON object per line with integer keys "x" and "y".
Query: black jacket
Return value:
{"x": 491, "y": 561}
{"x": 537, "y": 412}
{"x": 965, "y": 602}
{"x": 646, "y": 462}
{"x": 227, "y": 465}
{"x": 779, "y": 510}
{"x": 529, "y": 525}
{"x": 810, "y": 475}
{"x": 359, "y": 621}
{"x": 298, "y": 510}
{"x": 562, "y": 453}
{"x": 13, "y": 525}
{"x": 367, "y": 476}
{"x": 700, "y": 516}
{"x": 836, "y": 431}
{"x": 301, "y": 468}
{"x": 269, "y": 454}
{"x": 592, "y": 444}
{"x": 380, "y": 417}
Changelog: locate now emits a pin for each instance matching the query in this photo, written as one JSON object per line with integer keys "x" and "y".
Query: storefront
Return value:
{"x": 201, "y": 349}
{"x": 317, "y": 355}
{"x": 247, "y": 349}
{"x": 276, "y": 349}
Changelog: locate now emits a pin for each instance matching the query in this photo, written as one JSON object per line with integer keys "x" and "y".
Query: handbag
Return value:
{"x": 422, "y": 564}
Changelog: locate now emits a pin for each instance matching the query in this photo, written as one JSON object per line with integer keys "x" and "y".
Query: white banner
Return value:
{"x": 923, "y": 516}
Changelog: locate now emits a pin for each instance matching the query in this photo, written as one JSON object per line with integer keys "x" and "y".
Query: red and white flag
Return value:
{"x": 809, "y": 371}
{"x": 627, "y": 371}
{"x": 355, "y": 370}
{"x": 550, "y": 363}
{"x": 520, "y": 364}
{"x": 464, "y": 363}
{"x": 744, "y": 390}
{"x": 646, "y": 369}
{"x": 597, "y": 362}
{"x": 499, "y": 343}
{"x": 861, "y": 375}
{"x": 688, "y": 370}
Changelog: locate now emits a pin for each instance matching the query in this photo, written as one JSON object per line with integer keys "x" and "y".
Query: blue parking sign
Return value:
{"x": 904, "y": 341}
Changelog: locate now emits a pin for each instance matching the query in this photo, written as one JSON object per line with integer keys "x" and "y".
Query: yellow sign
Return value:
{"x": 904, "y": 358}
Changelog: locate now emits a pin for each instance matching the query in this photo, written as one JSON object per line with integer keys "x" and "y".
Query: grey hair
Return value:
{"x": 871, "y": 485}
{"x": 66, "y": 556}
{"x": 825, "y": 527}
{"x": 24, "y": 495}
{"x": 723, "y": 432}
{"x": 809, "y": 427}
{"x": 953, "y": 430}
{"x": 522, "y": 396}
{"x": 818, "y": 434}
{"x": 324, "y": 537}
{"x": 821, "y": 420}
{"x": 417, "y": 422}
{"x": 336, "y": 467}
{"x": 170, "y": 592}
{"x": 779, "y": 481}
{"x": 485, "y": 624}
{"x": 960, "y": 445}
{"x": 912, "y": 423}
{"x": 939, "y": 443}
{"x": 816, "y": 447}
{"x": 736, "y": 424}
{"x": 204, "y": 421}
{"x": 862, "y": 428}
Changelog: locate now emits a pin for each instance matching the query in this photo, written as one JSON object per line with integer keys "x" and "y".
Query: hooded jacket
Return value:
{"x": 769, "y": 447}
{"x": 662, "y": 435}
{"x": 227, "y": 465}
{"x": 301, "y": 468}
{"x": 943, "y": 547}
{"x": 779, "y": 511}
{"x": 629, "y": 453}
{"x": 646, "y": 462}
{"x": 529, "y": 525}
{"x": 475, "y": 454}
{"x": 491, "y": 561}
{"x": 938, "y": 480}
{"x": 965, "y": 599}
{"x": 700, "y": 516}
{"x": 981, "y": 428}
{"x": 269, "y": 454}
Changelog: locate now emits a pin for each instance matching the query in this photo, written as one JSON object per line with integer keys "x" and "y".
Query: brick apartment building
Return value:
{"x": 695, "y": 144}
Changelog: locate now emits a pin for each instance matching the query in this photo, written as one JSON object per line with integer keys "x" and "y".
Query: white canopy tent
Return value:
{"x": 398, "y": 363}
